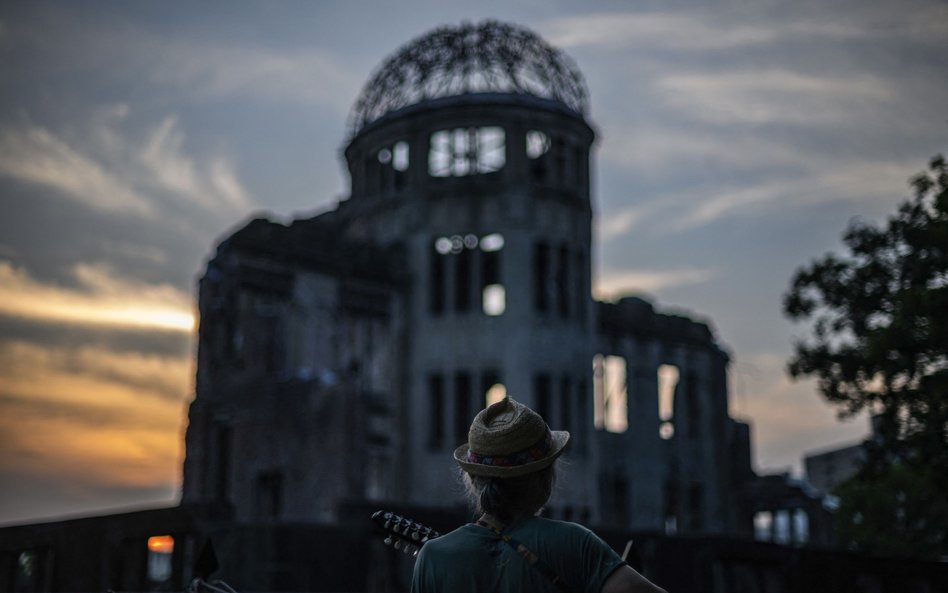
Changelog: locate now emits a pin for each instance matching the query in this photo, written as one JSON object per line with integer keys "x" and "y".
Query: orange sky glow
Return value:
{"x": 101, "y": 299}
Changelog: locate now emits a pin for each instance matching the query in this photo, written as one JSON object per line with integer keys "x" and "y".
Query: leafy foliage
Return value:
{"x": 899, "y": 512}
{"x": 880, "y": 343}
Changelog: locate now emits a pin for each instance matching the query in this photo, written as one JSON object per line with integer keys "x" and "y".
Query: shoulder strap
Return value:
{"x": 525, "y": 553}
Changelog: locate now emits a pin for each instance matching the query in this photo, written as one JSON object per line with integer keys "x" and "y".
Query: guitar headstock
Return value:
{"x": 402, "y": 533}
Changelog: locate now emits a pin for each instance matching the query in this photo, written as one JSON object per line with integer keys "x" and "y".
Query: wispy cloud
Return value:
{"x": 617, "y": 224}
{"x": 111, "y": 170}
{"x": 684, "y": 31}
{"x": 774, "y": 96}
{"x": 308, "y": 76}
{"x": 100, "y": 299}
{"x": 615, "y": 283}
{"x": 35, "y": 155}
{"x": 172, "y": 62}
{"x": 860, "y": 182}
{"x": 655, "y": 151}
{"x": 718, "y": 29}
{"x": 169, "y": 168}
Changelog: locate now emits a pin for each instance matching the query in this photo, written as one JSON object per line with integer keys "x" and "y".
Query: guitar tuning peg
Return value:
{"x": 388, "y": 524}
{"x": 415, "y": 553}
{"x": 407, "y": 548}
{"x": 388, "y": 541}
{"x": 415, "y": 535}
{"x": 398, "y": 544}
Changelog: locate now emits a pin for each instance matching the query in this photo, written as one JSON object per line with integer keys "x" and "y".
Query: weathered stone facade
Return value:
{"x": 342, "y": 357}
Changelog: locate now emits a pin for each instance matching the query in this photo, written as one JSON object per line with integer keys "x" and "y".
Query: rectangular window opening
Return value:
{"x": 541, "y": 259}
{"x": 493, "y": 293}
{"x": 462, "y": 281}
{"x": 566, "y": 404}
{"x": 582, "y": 420}
{"x": 599, "y": 391}
{"x": 494, "y": 300}
{"x": 615, "y": 386}
{"x": 542, "y": 396}
{"x": 692, "y": 405}
{"x": 667, "y": 385}
{"x": 462, "y": 405}
{"x": 582, "y": 286}
{"x": 436, "y": 408}
{"x": 269, "y": 495}
{"x": 436, "y": 283}
{"x": 563, "y": 282}
{"x": 222, "y": 482}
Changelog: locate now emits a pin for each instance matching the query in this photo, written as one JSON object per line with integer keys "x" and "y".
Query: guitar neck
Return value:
{"x": 403, "y": 533}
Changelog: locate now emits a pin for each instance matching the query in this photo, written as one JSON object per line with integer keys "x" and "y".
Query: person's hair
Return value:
{"x": 509, "y": 498}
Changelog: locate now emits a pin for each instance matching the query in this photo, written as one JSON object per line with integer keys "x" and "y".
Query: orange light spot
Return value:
{"x": 162, "y": 544}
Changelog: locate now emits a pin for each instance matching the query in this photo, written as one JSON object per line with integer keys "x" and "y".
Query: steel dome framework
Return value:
{"x": 490, "y": 57}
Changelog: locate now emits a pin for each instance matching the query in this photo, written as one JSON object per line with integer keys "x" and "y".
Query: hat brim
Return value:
{"x": 560, "y": 438}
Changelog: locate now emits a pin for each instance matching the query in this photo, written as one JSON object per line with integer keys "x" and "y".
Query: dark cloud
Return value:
{"x": 49, "y": 235}
{"x": 155, "y": 342}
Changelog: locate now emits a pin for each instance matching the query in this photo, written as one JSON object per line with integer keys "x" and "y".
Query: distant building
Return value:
{"x": 827, "y": 469}
{"x": 342, "y": 357}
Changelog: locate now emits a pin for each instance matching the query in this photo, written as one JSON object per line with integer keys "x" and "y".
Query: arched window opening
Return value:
{"x": 391, "y": 167}
{"x": 466, "y": 151}
{"x": 763, "y": 523}
{"x": 667, "y": 383}
{"x": 538, "y": 144}
{"x": 400, "y": 156}
{"x": 801, "y": 527}
{"x": 610, "y": 393}
{"x": 493, "y": 293}
{"x": 494, "y": 299}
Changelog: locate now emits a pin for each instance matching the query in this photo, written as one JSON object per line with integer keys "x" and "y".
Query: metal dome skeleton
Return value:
{"x": 490, "y": 57}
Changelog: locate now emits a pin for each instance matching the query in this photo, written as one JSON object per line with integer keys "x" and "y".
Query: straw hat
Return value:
{"x": 508, "y": 439}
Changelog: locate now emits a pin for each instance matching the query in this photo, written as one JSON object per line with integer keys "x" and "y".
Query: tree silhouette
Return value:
{"x": 880, "y": 343}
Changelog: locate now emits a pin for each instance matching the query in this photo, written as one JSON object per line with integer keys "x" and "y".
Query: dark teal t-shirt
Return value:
{"x": 473, "y": 559}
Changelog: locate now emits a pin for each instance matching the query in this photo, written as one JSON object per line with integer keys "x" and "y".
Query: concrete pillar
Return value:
{"x": 643, "y": 460}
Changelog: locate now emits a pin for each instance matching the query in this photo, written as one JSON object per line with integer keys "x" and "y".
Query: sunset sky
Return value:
{"x": 736, "y": 140}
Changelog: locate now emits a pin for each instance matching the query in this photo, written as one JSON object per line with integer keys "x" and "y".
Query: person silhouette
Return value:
{"x": 508, "y": 467}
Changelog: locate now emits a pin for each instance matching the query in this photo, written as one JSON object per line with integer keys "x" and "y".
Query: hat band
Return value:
{"x": 529, "y": 455}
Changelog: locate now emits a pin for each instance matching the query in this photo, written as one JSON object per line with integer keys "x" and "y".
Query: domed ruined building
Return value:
{"x": 342, "y": 357}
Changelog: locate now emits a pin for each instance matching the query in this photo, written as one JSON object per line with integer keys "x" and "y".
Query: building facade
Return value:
{"x": 827, "y": 469}
{"x": 342, "y": 357}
